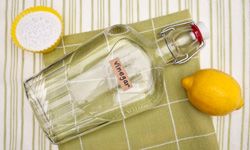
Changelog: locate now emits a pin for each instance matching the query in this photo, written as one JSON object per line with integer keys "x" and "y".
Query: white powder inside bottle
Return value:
{"x": 38, "y": 31}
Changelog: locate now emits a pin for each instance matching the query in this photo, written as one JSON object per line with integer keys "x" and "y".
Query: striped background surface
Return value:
{"x": 228, "y": 50}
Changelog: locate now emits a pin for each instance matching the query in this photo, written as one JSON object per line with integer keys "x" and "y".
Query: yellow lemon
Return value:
{"x": 213, "y": 92}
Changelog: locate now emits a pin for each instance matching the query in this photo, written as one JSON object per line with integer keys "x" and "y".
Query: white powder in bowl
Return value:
{"x": 38, "y": 31}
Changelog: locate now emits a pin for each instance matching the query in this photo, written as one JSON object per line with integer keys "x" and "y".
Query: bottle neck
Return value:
{"x": 180, "y": 43}
{"x": 171, "y": 50}
{"x": 163, "y": 53}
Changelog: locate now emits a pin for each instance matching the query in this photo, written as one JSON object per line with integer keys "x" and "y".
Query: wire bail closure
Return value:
{"x": 187, "y": 56}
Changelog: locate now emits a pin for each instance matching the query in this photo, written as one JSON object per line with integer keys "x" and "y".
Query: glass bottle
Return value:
{"x": 116, "y": 74}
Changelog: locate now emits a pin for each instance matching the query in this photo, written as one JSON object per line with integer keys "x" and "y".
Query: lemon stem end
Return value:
{"x": 187, "y": 82}
{"x": 241, "y": 103}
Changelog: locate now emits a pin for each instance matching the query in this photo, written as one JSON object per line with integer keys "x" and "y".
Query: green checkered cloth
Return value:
{"x": 173, "y": 125}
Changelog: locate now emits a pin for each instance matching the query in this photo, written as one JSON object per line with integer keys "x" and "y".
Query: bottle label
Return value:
{"x": 120, "y": 73}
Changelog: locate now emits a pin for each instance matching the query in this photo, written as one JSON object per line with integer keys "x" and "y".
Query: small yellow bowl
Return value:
{"x": 37, "y": 29}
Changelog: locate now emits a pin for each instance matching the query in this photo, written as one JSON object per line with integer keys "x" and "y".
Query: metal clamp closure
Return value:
{"x": 187, "y": 56}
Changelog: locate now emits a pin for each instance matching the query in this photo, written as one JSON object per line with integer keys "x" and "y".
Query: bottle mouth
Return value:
{"x": 197, "y": 33}
{"x": 200, "y": 32}
{"x": 117, "y": 30}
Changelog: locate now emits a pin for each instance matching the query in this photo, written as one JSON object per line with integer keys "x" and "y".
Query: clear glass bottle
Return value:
{"x": 115, "y": 75}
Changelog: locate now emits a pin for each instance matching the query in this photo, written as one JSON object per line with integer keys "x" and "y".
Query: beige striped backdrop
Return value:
{"x": 228, "y": 50}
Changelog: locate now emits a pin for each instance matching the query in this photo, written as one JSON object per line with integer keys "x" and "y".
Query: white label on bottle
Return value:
{"x": 121, "y": 74}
